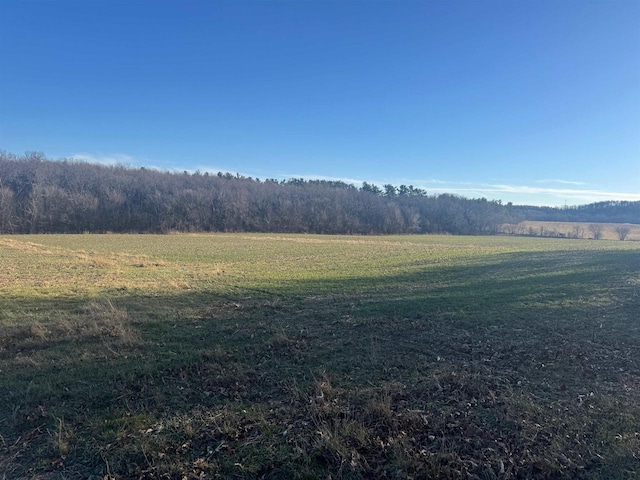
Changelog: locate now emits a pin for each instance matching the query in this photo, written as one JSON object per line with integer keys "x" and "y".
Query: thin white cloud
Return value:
{"x": 571, "y": 192}
{"x": 425, "y": 181}
{"x": 110, "y": 159}
{"x": 519, "y": 194}
{"x": 534, "y": 195}
{"x": 120, "y": 159}
{"x": 563, "y": 182}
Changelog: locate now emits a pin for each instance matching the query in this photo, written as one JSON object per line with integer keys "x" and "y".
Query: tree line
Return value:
{"x": 38, "y": 195}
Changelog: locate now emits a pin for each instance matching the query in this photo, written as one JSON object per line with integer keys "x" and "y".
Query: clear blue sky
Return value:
{"x": 526, "y": 101}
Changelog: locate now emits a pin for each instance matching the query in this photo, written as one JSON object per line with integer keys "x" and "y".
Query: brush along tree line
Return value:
{"x": 38, "y": 195}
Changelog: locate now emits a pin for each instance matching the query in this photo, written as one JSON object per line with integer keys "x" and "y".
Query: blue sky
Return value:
{"x": 526, "y": 101}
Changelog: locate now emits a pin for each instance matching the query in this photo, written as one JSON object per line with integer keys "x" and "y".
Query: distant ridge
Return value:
{"x": 38, "y": 195}
{"x": 599, "y": 212}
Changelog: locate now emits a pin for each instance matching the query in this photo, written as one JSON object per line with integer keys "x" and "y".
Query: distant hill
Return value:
{"x": 600, "y": 212}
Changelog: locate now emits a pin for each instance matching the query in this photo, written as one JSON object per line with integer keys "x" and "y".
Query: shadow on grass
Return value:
{"x": 525, "y": 366}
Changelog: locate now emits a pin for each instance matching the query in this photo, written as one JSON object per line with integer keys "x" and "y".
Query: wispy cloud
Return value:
{"x": 120, "y": 159}
{"x": 534, "y": 195}
{"x": 519, "y": 194}
{"x": 563, "y": 182}
{"x": 565, "y": 192}
{"x": 109, "y": 159}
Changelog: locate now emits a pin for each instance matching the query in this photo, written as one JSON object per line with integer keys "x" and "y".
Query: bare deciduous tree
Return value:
{"x": 596, "y": 231}
{"x": 623, "y": 231}
{"x": 513, "y": 228}
{"x": 6, "y": 209}
{"x": 578, "y": 230}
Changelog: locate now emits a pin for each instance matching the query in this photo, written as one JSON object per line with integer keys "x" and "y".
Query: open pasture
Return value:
{"x": 608, "y": 231}
{"x": 284, "y": 356}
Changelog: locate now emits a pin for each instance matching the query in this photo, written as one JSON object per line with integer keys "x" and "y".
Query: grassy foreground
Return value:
{"x": 255, "y": 356}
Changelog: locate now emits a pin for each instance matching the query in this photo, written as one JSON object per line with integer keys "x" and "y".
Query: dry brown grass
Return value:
{"x": 97, "y": 321}
{"x": 104, "y": 320}
{"x": 568, "y": 230}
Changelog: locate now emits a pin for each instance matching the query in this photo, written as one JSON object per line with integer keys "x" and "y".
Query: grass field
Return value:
{"x": 282, "y": 356}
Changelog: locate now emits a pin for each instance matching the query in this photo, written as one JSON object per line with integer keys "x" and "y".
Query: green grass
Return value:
{"x": 283, "y": 356}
